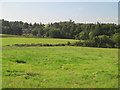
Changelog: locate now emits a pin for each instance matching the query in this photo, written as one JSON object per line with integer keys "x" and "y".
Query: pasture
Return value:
{"x": 57, "y": 67}
{"x": 22, "y": 40}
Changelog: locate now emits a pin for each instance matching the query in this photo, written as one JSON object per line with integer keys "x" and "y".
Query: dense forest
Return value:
{"x": 94, "y": 35}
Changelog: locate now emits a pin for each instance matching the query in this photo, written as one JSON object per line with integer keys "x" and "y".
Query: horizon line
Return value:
{"x": 60, "y": 21}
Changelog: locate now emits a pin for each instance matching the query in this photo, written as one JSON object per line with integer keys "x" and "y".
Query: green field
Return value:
{"x": 57, "y": 67}
{"x": 18, "y": 40}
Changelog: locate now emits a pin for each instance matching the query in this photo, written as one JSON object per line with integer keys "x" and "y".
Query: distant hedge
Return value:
{"x": 78, "y": 43}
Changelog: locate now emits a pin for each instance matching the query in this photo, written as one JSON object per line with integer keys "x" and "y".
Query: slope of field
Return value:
{"x": 57, "y": 67}
{"x": 19, "y": 40}
{"x": 7, "y": 35}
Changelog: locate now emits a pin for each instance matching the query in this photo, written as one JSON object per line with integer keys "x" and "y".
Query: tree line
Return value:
{"x": 95, "y": 35}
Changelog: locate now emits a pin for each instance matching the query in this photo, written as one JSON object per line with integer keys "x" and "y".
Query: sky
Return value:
{"x": 47, "y": 12}
{"x": 59, "y": 0}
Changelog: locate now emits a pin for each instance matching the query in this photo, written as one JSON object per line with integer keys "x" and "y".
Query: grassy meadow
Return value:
{"x": 22, "y": 40}
{"x": 57, "y": 67}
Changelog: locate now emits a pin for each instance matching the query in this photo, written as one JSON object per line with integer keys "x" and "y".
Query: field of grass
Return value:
{"x": 57, "y": 67}
{"x": 18, "y": 40}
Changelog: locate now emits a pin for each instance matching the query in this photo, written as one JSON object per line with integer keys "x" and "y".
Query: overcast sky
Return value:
{"x": 46, "y": 12}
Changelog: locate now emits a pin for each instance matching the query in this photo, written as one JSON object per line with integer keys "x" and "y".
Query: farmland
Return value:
{"x": 57, "y": 67}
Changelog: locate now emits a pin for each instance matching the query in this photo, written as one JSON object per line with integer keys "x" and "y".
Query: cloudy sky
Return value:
{"x": 46, "y": 12}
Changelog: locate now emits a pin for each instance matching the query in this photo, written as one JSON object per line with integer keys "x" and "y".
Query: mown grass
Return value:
{"x": 58, "y": 67}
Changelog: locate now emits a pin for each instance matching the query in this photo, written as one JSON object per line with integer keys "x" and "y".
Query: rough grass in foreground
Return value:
{"x": 59, "y": 67}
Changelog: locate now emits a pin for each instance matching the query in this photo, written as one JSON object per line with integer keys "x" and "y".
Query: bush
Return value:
{"x": 78, "y": 43}
{"x": 104, "y": 41}
{"x": 34, "y": 32}
{"x": 20, "y": 61}
{"x": 68, "y": 43}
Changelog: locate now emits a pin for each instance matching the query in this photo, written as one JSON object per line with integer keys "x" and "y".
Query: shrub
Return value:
{"x": 20, "y": 61}
{"x": 68, "y": 43}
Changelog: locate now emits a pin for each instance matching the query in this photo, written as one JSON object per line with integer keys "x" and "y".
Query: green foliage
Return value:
{"x": 55, "y": 33}
{"x": 82, "y": 36}
{"x": 104, "y": 41}
{"x": 68, "y": 43}
{"x": 6, "y": 30}
{"x": 34, "y": 32}
{"x": 98, "y": 29}
{"x": 116, "y": 39}
{"x": 26, "y": 25}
